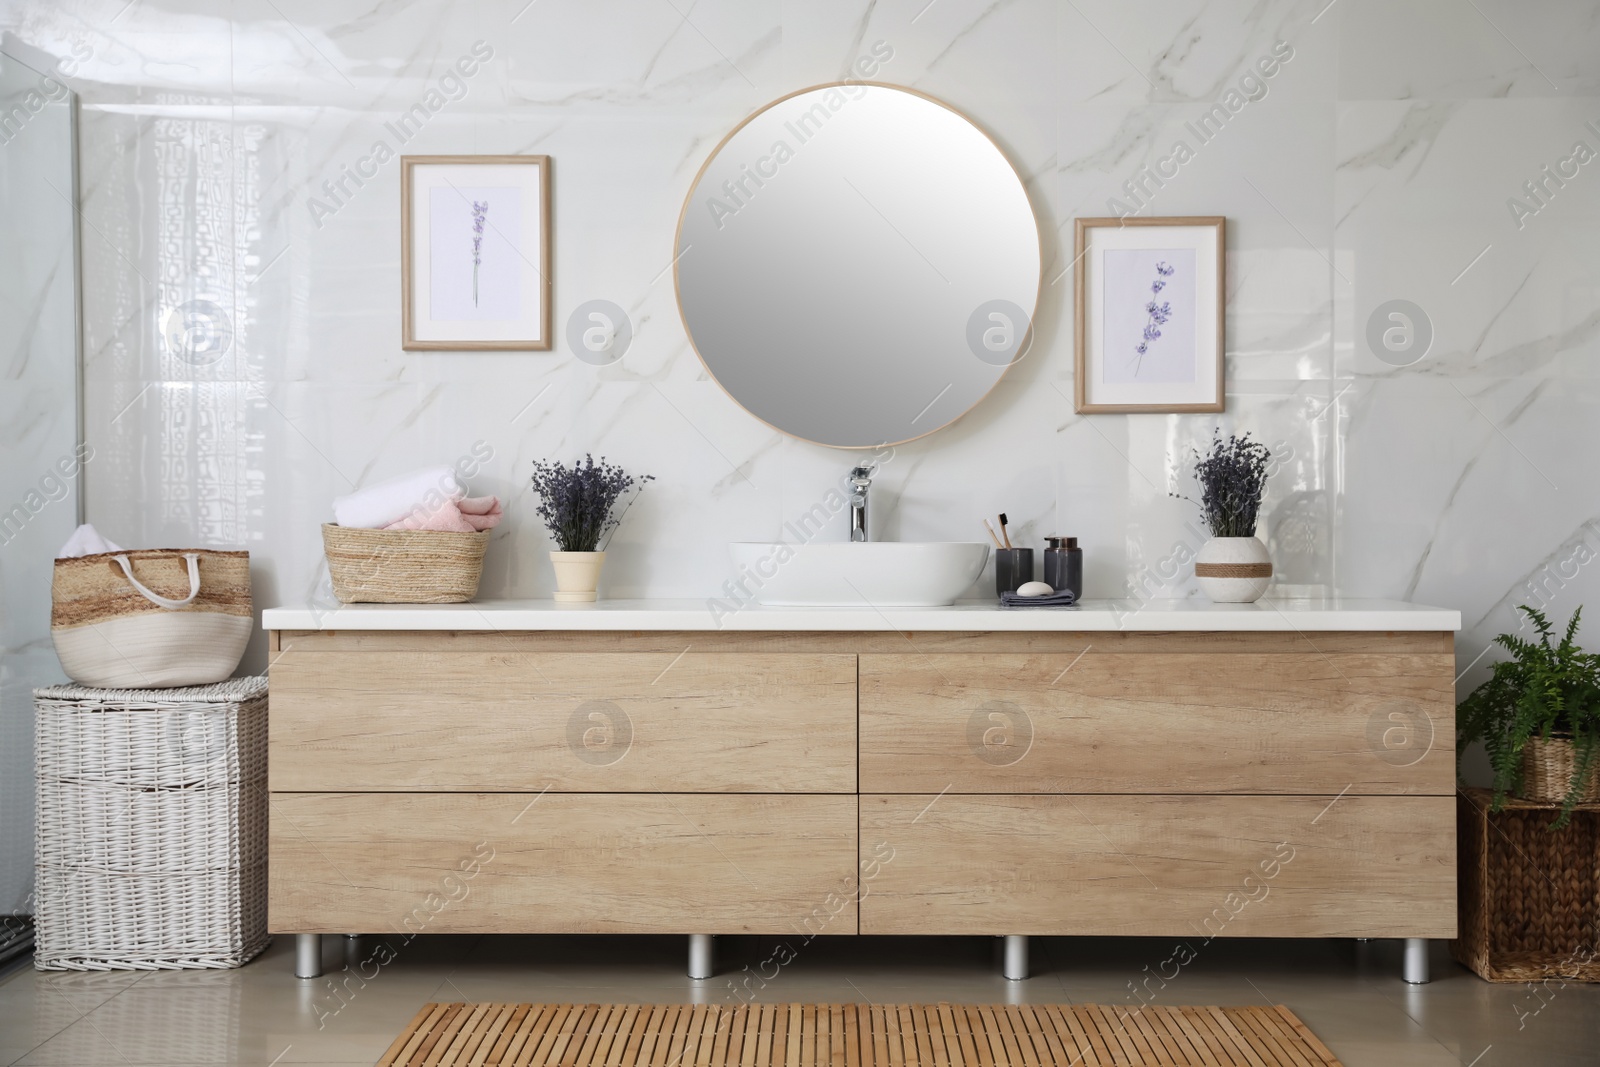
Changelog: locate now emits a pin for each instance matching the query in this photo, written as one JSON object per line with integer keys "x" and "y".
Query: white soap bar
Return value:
{"x": 1034, "y": 589}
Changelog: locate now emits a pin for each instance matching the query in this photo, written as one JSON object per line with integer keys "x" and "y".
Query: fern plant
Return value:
{"x": 1547, "y": 689}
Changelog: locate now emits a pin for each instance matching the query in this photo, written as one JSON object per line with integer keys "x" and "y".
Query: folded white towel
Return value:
{"x": 86, "y": 541}
{"x": 377, "y": 506}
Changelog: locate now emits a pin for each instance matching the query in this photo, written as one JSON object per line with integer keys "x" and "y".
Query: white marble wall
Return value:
{"x": 1377, "y": 166}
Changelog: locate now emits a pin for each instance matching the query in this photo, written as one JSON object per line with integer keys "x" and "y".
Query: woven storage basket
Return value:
{"x": 403, "y": 566}
{"x": 1528, "y": 896}
{"x": 122, "y": 619}
{"x": 1547, "y": 768}
{"x": 152, "y": 826}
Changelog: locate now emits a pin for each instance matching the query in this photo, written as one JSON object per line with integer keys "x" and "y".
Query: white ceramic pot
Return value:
{"x": 1233, "y": 570}
{"x": 577, "y": 575}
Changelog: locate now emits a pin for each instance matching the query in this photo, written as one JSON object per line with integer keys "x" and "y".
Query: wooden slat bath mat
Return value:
{"x": 852, "y": 1035}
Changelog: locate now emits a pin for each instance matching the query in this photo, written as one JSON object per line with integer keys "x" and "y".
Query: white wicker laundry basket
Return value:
{"x": 152, "y": 826}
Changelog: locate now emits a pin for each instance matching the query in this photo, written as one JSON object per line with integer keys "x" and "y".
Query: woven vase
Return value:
{"x": 1547, "y": 768}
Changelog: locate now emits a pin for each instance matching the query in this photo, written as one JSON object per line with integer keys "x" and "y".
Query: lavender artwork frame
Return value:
{"x": 1150, "y": 315}
{"x": 475, "y": 253}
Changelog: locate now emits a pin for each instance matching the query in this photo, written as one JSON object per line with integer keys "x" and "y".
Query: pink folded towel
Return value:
{"x": 454, "y": 515}
{"x": 446, "y": 518}
{"x": 483, "y": 512}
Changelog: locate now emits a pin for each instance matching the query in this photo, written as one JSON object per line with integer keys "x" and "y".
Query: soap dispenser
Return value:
{"x": 1063, "y": 565}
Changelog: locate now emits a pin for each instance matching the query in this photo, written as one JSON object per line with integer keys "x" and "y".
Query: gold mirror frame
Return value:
{"x": 688, "y": 197}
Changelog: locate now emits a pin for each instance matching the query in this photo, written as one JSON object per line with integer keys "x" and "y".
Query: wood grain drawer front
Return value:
{"x": 567, "y": 721}
{"x": 560, "y": 863}
{"x": 1175, "y": 866}
{"x": 1158, "y": 723}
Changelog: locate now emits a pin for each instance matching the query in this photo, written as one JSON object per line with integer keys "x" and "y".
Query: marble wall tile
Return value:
{"x": 1489, "y": 49}
{"x": 1474, "y": 492}
{"x": 582, "y": 58}
{"x": 1191, "y": 51}
{"x": 1426, "y": 201}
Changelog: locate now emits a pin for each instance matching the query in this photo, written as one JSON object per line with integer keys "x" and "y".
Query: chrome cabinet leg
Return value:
{"x": 702, "y": 958}
{"x": 1415, "y": 969}
{"x": 1016, "y": 959}
{"x": 308, "y": 955}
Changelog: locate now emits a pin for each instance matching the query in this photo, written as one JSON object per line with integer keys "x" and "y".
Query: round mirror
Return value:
{"x": 857, "y": 265}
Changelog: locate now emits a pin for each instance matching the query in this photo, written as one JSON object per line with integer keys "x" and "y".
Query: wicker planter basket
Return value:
{"x": 403, "y": 566}
{"x": 152, "y": 826}
{"x": 1529, "y": 896}
{"x": 1547, "y": 768}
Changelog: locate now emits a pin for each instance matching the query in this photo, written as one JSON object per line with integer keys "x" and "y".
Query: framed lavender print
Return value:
{"x": 475, "y": 252}
{"x": 1150, "y": 314}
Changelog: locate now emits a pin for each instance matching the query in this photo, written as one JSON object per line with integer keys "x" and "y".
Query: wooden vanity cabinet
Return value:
{"x": 1175, "y": 784}
{"x": 1255, "y": 784}
{"x": 586, "y": 784}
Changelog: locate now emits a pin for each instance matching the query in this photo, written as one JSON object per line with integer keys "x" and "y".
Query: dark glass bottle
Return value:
{"x": 1063, "y": 565}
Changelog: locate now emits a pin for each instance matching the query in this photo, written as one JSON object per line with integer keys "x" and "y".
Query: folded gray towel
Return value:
{"x": 1063, "y": 599}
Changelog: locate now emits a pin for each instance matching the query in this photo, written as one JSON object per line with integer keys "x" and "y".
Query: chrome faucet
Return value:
{"x": 860, "y": 481}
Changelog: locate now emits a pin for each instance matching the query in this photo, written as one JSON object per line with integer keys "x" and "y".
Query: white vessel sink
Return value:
{"x": 880, "y": 574}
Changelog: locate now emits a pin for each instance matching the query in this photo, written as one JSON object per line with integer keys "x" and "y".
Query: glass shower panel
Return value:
{"x": 40, "y": 455}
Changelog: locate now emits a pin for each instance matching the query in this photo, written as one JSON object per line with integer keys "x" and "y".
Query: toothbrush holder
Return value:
{"x": 1012, "y": 567}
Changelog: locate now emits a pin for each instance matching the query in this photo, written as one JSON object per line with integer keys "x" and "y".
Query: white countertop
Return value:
{"x": 1198, "y": 614}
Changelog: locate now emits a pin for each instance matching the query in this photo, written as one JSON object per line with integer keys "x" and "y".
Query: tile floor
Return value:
{"x": 1350, "y": 994}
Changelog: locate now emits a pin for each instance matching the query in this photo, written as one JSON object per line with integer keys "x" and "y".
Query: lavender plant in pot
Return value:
{"x": 1233, "y": 567}
{"x": 576, "y": 505}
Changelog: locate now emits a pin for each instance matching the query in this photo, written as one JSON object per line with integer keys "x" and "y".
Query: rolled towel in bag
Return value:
{"x": 377, "y": 506}
{"x": 86, "y": 541}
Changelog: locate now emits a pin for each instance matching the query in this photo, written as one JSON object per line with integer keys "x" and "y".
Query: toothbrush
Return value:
{"x": 1003, "y": 531}
{"x": 992, "y": 537}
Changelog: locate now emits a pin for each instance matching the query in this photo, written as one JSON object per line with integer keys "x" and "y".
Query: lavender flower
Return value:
{"x": 480, "y": 209}
{"x": 1232, "y": 477}
{"x": 1156, "y": 315}
{"x": 576, "y": 502}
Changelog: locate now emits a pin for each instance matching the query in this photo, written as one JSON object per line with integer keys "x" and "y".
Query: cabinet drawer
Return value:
{"x": 561, "y": 863}
{"x": 566, "y": 721}
{"x": 1168, "y": 866}
{"x": 1158, "y": 723}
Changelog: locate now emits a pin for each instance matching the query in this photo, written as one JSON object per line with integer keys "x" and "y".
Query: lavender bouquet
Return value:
{"x": 575, "y": 502}
{"x": 1232, "y": 477}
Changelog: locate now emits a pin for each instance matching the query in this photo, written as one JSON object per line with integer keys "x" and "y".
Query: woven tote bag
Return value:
{"x": 153, "y": 618}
